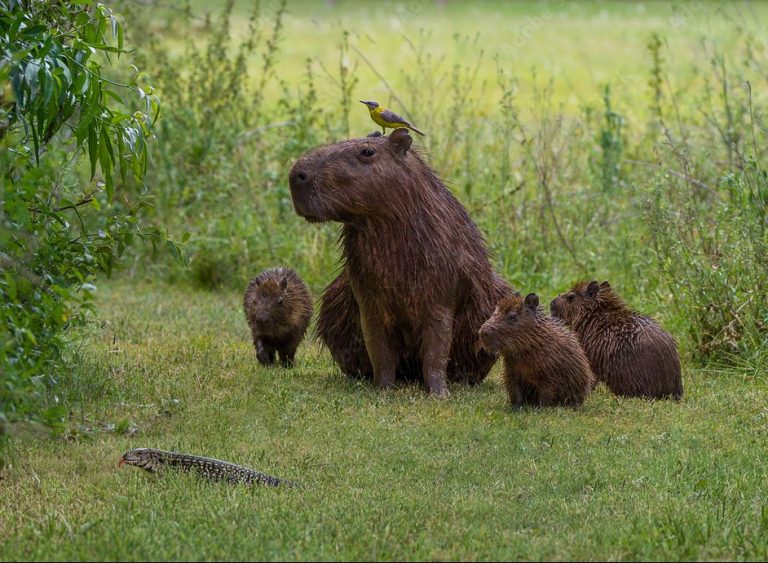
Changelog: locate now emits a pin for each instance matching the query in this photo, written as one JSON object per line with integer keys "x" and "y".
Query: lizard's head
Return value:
{"x": 146, "y": 458}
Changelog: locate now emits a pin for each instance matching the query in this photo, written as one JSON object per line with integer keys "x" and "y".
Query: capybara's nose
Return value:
{"x": 298, "y": 178}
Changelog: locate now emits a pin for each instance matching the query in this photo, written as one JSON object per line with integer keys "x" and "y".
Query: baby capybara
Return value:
{"x": 632, "y": 354}
{"x": 543, "y": 361}
{"x": 278, "y": 307}
{"x": 416, "y": 283}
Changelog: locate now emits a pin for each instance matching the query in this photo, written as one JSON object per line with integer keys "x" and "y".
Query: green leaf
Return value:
{"x": 106, "y": 160}
{"x": 92, "y": 147}
{"x": 119, "y": 37}
{"x": 31, "y": 77}
{"x": 113, "y": 95}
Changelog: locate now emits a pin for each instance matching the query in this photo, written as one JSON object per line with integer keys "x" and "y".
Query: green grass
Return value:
{"x": 579, "y": 44}
{"x": 387, "y": 475}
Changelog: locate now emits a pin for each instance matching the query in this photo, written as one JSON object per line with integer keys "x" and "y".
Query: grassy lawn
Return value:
{"x": 387, "y": 475}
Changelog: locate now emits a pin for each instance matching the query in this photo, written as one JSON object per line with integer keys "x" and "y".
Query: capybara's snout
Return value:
{"x": 299, "y": 178}
{"x": 484, "y": 341}
{"x": 300, "y": 181}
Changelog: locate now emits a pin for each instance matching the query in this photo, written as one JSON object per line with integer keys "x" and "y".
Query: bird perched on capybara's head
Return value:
{"x": 416, "y": 283}
{"x": 543, "y": 361}
{"x": 278, "y": 307}
{"x": 630, "y": 352}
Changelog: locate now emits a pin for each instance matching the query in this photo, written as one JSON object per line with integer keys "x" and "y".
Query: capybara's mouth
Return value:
{"x": 311, "y": 218}
{"x": 486, "y": 345}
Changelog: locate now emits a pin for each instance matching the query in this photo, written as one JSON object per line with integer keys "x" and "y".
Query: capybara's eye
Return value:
{"x": 368, "y": 152}
{"x": 512, "y": 315}
{"x": 570, "y": 297}
{"x": 279, "y": 300}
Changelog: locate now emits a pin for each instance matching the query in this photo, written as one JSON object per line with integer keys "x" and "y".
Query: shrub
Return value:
{"x": 61, "y": 224}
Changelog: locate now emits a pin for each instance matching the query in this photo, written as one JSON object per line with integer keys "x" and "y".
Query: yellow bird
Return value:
{"x": 387, "y": 118}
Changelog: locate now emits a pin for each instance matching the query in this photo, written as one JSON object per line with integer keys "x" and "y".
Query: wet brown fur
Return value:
{"x": 543, "y": 362}
{"x": 416, "y": 283}
{"x": 278, "y": 307}
{"x": 630, "y": 352}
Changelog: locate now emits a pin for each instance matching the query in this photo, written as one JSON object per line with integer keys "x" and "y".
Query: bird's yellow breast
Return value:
{"x": 376, "y": 116}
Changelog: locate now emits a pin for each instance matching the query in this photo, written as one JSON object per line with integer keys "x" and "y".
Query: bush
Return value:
{"x": 61, "y": 223}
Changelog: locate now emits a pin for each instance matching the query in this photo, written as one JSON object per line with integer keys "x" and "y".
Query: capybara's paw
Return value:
{"x": 441, "y": 393}
{"x": 264, "y": 358}
{"x": 385, "y": 385}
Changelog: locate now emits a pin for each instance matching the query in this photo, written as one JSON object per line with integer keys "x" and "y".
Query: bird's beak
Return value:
{"x": 362, "y": 102}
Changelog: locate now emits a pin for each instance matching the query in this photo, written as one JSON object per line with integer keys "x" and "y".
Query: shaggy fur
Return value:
{"x": 278, "y": 307}
{"x": 543, "y": 362}
{"x": 416, "y": 283}
{"x": 632, "y": 354}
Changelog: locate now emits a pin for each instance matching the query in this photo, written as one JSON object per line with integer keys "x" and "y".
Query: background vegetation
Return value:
{"x": 620, "y": 141}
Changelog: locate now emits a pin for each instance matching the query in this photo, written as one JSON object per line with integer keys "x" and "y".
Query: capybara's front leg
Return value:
{"x": 546, "y": 398}
{"x": 287, "y": 351}
{"x": 435, "y": 349}
{"x": 514, "y": 390}
{"x": 265, "y": 353}
{"x": 380, "y": 350}
{"x": 287, "y": 356}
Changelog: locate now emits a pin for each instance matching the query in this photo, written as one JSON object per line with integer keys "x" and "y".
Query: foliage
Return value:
{"x": 711, "y": 243}
{"x": 223, "y": 147}
{"x": 59, "y": 227}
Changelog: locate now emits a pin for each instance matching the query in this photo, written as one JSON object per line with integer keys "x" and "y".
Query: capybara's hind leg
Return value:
{"x": 338, "y": 326}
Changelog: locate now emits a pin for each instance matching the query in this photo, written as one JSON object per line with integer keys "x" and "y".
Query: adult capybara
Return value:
{"x": 543, "y": 361}
{"x": 278, "y": 307}
{"x": 632, "y": 354}
{"x": 416, "y": 283}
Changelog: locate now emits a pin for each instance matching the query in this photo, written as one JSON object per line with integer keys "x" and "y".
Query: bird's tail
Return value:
{"x": 417, "y": 131}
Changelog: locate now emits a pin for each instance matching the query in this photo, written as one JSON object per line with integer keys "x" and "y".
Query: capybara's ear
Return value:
{"x": 284, "y": 283}
{"x": 532, "y": 301}
{"x": 605, "y": 285}
{"x": 400, "y": 141}
{"x": 374, "y": 134}
{"x": 592, "y": 289}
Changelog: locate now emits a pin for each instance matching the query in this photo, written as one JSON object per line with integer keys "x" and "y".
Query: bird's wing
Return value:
{"x": 391, "y": 117}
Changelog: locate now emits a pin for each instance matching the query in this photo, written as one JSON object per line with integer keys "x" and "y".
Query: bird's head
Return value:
{"x": 371, "y": 105}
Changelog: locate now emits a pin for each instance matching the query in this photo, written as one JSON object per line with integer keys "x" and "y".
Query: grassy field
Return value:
{"x": 657, "y": 184}
{"x": 387, "y": 475}
{"x": 578, "y": 44}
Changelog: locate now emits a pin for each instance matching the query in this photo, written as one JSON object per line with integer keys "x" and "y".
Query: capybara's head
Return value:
{"x": 513, "y": 318}
{"x": 268, "y": 303}
{"x": 580, "y": 302}
{"x": 352, "y": 179}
